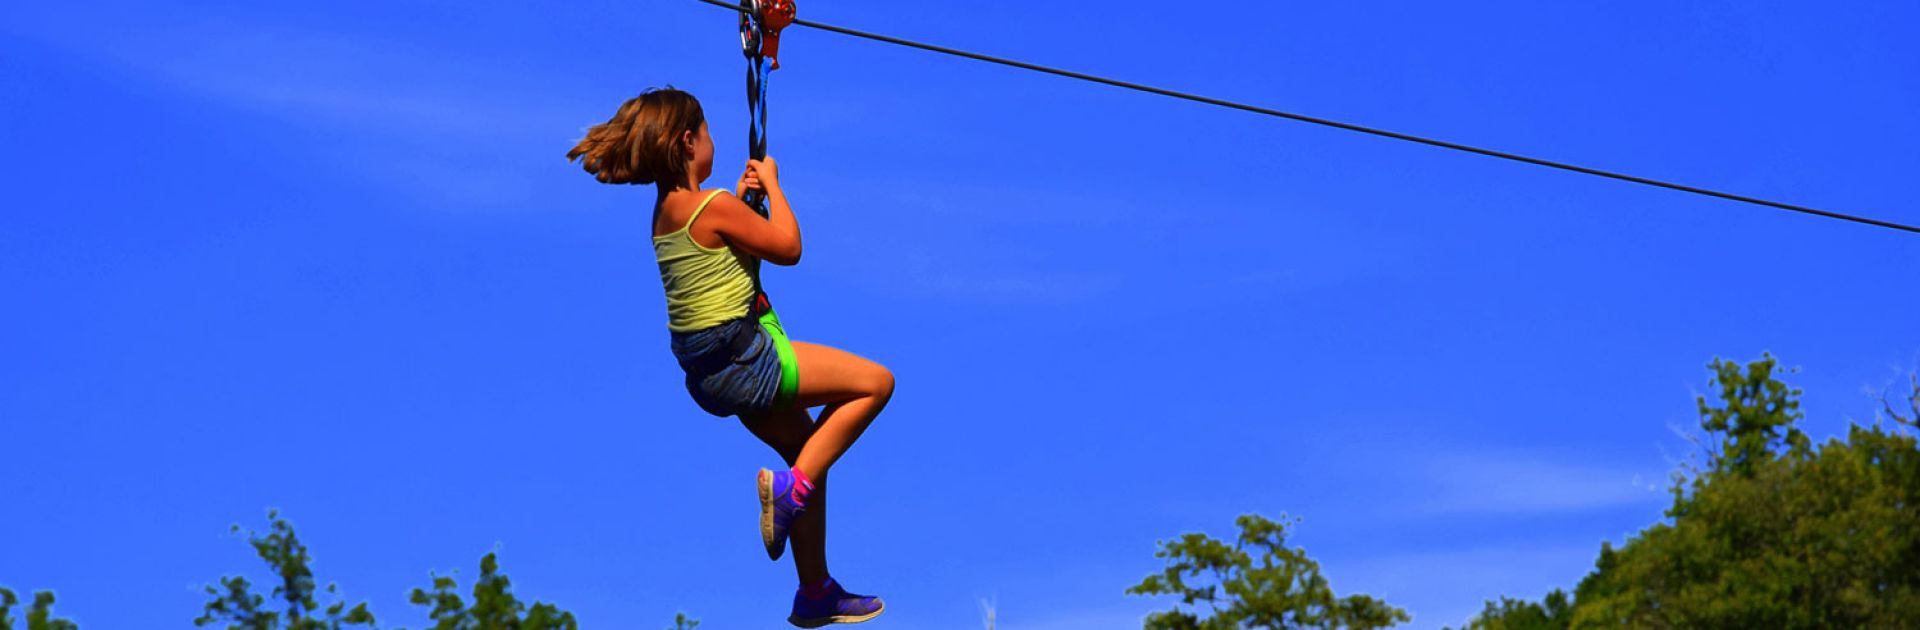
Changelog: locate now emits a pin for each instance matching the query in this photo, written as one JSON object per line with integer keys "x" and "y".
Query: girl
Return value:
{"x": 726, "y": 337}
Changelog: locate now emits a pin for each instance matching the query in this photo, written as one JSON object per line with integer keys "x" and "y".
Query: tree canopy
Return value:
{"x": 494, "y": 606}
{"x": 1282, "y": 588}
{"x": 39, "y": 614}
{"x": 1769, "y": 532}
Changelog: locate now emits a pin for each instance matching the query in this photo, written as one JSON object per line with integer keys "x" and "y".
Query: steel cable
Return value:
{"x": 1341, "y": 125}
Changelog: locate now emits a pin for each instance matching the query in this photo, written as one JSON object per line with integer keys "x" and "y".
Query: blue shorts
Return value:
{"x": 747, "y": 383}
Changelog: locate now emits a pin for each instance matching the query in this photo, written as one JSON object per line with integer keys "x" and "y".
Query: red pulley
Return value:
{"x": 760, "y": 27}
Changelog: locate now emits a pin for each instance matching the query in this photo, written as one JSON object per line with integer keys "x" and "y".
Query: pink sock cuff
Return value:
{"x": 802, "y": 487}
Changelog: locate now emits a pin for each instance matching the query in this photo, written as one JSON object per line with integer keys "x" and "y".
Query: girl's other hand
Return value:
{"x": 748, "y": 181}
{"x": 764, "y": 172}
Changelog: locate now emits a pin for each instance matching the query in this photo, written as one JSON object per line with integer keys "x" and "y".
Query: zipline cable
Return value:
{"x": 1337, "y": 124}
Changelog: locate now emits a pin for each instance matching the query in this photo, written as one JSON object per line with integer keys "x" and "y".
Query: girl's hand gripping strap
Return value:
{"x": 760, "y": 25}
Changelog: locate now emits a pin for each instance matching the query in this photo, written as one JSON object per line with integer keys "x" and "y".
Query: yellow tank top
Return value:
{"x": 705, "y": 287}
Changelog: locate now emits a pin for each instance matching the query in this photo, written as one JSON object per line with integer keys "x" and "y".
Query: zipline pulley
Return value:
{"x": 760, "y": 25}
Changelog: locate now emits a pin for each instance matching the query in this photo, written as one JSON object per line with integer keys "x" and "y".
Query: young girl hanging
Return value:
{"x": 724, "y": 333}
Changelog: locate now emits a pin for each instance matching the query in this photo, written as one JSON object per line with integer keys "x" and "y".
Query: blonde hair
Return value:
{"x": 641, "y": 143}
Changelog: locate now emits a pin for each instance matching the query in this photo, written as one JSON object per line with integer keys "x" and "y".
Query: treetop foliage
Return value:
{"x": 1282, "y": 588}
{"x": 1772, "y": 533}
{"x": 494, "y": 606}
{"x": 39, "y": 615}
{"x": 241, "y": 609}
{"x": 1554, "y": 613}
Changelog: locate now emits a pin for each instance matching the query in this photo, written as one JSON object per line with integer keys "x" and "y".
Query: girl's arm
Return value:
{"x": 775, "y": 239}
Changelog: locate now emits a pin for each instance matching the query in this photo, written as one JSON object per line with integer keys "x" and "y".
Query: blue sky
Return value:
{"x": 329, "y": 258}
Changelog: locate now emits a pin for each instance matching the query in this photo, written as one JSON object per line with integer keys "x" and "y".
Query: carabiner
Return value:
{"x": 760, "y": 25}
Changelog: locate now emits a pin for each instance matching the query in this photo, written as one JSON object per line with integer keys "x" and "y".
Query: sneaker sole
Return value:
{"x": 822, "y": 621}
{"x": 766, "y": 516}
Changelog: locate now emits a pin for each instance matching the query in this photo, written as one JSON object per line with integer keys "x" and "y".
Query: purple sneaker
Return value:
{"x": 838, "y": 606}
{"x": 777, "y": 510}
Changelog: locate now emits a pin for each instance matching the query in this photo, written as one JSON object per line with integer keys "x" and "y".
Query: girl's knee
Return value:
{"x": 882, "y": 382}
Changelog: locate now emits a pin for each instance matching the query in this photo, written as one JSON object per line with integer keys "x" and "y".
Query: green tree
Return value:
{"x": 39, "y": 615}
{"x": 1283, "y": 590}
{"x": 1555, "y": 613}
{"x": 494, "y": 605}
{"x": 236, "y": 605}
{"x": 1772, "y": 532}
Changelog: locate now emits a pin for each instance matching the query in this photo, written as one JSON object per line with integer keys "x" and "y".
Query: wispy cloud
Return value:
{"x": 922, "y": 274}
{"x": 1446, "y": 587}
{"x": 377, "y": 98}
{"x": 955, "y": 243}
{"x": 302, "y": 72}
{"x": 1437, "y": 587}
{"x": 995, "y": 243}
{"x": 1510, "y": 484}
{"x": 1096, "y": 619}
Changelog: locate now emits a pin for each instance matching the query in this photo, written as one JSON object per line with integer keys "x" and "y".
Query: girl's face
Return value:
{"x": 702, "y": 163}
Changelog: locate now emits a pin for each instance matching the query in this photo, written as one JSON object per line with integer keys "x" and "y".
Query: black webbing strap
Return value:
{"x": 752, "y": 34}
{"x": 757, "y": 71}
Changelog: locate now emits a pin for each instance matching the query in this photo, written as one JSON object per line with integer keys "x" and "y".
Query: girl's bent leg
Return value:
{"x": 809, "y": 537}
{"x": 787, "y": 432}
{"x": 853, "y": 391}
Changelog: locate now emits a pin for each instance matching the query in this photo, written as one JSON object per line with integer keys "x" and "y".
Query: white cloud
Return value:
{"x": 303, "y": 73}
{"x": 910, "y": 276}
{"x": 450, "y": 129}
{"x": 1097, "y": 619}
{"x": 1512, "y": 485}
{"x": 1446, "y": 587}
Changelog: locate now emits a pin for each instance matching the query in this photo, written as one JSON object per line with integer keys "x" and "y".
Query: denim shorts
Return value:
{"x": 759, "y": 379}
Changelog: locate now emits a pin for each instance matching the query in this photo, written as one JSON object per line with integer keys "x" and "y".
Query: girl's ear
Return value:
{"x": 686, "y": 143}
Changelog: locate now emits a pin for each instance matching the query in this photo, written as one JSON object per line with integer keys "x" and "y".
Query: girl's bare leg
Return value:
{"x": 787, "y": 432}
{"x": 809, "y": 537}
{"x": 852, "y": 389}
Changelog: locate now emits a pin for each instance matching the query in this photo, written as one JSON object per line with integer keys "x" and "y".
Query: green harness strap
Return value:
{"x": 789, "y": 368}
